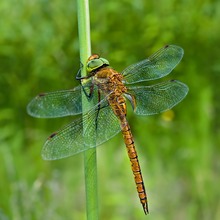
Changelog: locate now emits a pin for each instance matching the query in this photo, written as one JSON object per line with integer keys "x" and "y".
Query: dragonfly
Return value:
{"x": 109, "y": 90}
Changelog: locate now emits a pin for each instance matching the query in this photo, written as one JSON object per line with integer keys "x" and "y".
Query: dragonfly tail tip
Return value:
{"x": 145, "y": 208}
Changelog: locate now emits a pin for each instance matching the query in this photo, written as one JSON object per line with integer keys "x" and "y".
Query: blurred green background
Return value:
{"x": 178, "y": 150}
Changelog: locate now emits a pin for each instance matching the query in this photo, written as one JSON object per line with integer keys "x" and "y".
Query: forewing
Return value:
{"x": 156, "y": 66}
{"x": 56, "y": 104}
{"x": 158, "y": 98}
{"x": 99, "y": 126}
{"x": 62, "y": 103}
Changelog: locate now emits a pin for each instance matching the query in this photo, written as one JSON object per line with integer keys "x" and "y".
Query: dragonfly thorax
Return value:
{"x": 110, "y": 84}
{"x": 109, "y": 81}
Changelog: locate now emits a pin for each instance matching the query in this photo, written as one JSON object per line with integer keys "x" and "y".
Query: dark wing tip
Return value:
{"x": 173, "y": 80}
{"x": 41, "y": 94}
{"x": 174, "y": 46}
{"x": 52, "y": 135}
{"x": 46, "y": 152}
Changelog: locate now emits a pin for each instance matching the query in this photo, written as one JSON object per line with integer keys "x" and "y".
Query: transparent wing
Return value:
{"x": 156, "y": 66}
{"x": 158, "y": 98}
{"x": 62, "y": 103}
{"x": 56, "y": 104}
{"x": 99, "y": 126}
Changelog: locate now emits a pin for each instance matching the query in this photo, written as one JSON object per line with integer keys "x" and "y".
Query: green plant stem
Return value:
{"x": 90, "y": 165}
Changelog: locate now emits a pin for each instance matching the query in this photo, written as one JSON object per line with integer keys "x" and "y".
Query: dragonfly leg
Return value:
{"x": 132, "y": 100}
{"x": 88, "y": 94}
{"x": 99, "y": 107}
{"x": 78, "y": 75}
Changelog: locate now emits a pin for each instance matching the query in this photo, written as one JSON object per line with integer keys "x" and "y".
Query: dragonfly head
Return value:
{"x": 94, "y": 62}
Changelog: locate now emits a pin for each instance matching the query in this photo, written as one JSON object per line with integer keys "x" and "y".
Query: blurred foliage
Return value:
{"x": 178, "y": 150}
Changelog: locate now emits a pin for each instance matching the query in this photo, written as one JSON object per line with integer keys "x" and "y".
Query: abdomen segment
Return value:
{"x": 129, "y": 142}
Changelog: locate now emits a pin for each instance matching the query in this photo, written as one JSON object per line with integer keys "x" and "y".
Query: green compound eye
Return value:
{"x": 95, "y": 64}
{"x": 104, "y": 61}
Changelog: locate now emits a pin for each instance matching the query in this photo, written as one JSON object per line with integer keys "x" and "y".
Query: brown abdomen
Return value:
{"x": 129, "y": 142}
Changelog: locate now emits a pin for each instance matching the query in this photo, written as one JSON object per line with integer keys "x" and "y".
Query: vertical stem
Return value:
{"x": 90, "y": 165}
{"x": 84, "y": 31}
